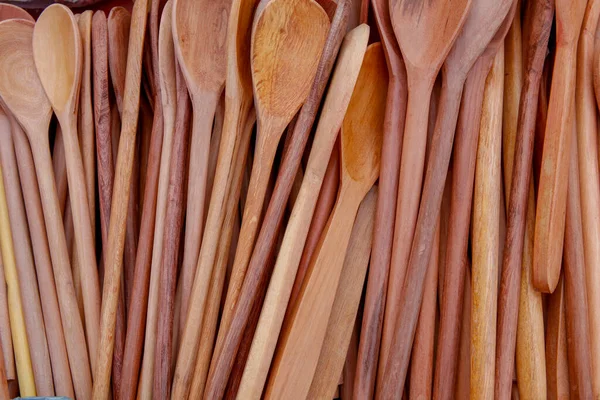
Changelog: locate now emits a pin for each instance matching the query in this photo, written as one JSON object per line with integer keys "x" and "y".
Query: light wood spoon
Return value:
{"x": 345, "y": 307}
{"x": 552, "y": 192}
{"x": 345, "y": 77}
{"x": 15, "y": 305}
{"x": 120, "y": 200}
{"x": 298, "y": 354}
{"x": 203, "y": 63}
{"x": 377, "y": 282}
{"x": 5, "y": 333}
{"x": 58, "y": 59}
{"x": 18, "y": 91}
{"x": 424, "y": 48}
{"x": 119, "y": 22}
{"x": 463, "y": 173}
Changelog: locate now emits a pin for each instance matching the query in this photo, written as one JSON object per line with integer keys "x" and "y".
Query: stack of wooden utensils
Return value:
{"x": 301, "y": 199}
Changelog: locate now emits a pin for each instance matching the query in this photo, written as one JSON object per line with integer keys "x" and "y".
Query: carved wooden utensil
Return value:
{"x": 463, "y": 173}
{"x": 58, "y": 60}
{"x": 203, "y": 63}
{"x": 122, "y": 184}
{"x": 300, "y": 344}
{"x": 424, "y": 48}
{"x": 552, "y": 192}
{"x": 482, "y": 22}
{"x": 375, "y": 297}
{"x": 119, "y": 22}
{"x": 24, "y": 96}
{"x": 337, "y": 101}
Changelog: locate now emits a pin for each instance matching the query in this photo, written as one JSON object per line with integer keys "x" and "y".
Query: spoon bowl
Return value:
{"x": 10, "y": 11}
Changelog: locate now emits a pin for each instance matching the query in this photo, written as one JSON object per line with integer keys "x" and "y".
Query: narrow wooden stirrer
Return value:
{"x": 377, "y": 282}
{"x": 203, "y": 63}
{"x": 541, "y": 12}
{"x": 147, "y": 273}
{"x": 338, "y": 100}
{"x": 346, "y": 304}
{"x": 463, "y": 174}
{"x": 58, "y": 60}
{"x": 271, "y": 80}
{"x": 5, "y": 333}
{"x": 587, "y": 143}
{"x": 576, "y": 303}
{"x": 480, "y": 27}
{"x": 15, "y": 306}
{"x": 209, "y": 325}
{"x": 302, "y": 340}
{"x": 424, "y": 55}
{"x": 530, "y": 349}
{"x": 552, "y": 191}
{"x": 118, "y": 216}
{"x": 556, "y": 344}
{"x": 23, "y": 94}
{"x": 485, "y": 234}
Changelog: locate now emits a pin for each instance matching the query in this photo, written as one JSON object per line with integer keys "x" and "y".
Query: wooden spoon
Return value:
{"x": 139, "y": 303}
{"x": 298, "y": 354}
{"x": 539, "y": 31}
{"x": 345, "y": 77}
{"x": 377, "y": 282}
{"x": 576, "y": 302}
{"x": 424, "y": 51}
{"x": 486, "y": 233}
{"x": 5, "y": 333}
{"x": 484, "y": 19}
{"x": 119, "y": 22}
{"x": 346, "y": 304}
{"x": 10, "y": 11}
{"x": 15, "y": 306}
{"x": 122, "y": 185}
{"x": 203, "y": 63}
{"x": 18, "y": 92}
{"x": 587, "y": 143}
{"x": 556, "y": 345}
{"x": 530, "y": 349}
{"x": 58, "y": 59}
{"x": 463, "y": 174}
{"x": 28, "y": 283}
{"x": 552, "y": 192}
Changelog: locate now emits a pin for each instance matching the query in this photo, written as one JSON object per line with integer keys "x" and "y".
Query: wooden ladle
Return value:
{"x": 297, "y": 356}
{"x": 483, "y": 20}
{"x": 552, "y": 189}
{"x": 424, "y": 48}
{"x": 58, "y": 58}
{"x": 23, "y": 94}
{"x": 203, "y": 63}
{"x": 278, "y": 97}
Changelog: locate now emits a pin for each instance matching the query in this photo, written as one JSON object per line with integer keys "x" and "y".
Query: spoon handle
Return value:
{"x": 5, "y": 333}
{"x": 60, "y": 169}
{"x": 556, "y": 345}
{"x": 15, "y": 307}
{"x": 123, "y": 170}
{"x": 576, "y": 303}
{"x": 344, "y": 311}
{"x": 4, "y": 395}
{"x": 463, "y": 375}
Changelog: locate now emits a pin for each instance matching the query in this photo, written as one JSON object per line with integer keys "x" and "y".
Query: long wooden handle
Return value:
{"x": 28, "y": 283}
{"x": 4, "y": 395}
{"x": 60, "y": 168}
{"x": 345, "y": 306}
{"x": 5, "y": 336}
{"x": 556, "y": 345}
{"x": 15, "y": 307}
{"x": 116, "y": 234}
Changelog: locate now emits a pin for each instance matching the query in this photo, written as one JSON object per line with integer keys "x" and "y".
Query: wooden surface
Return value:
{"x": 119, "y": 23}
{"x": 26, "y": 100}
{"x": 556, "y": 345}
{"x": 337, "y": 102}
{"x": 346, "y": 304}
{"x": 5, "y": 334}
{"x": 552, "y": 192}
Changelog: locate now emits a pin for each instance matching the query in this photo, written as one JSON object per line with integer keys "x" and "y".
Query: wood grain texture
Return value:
{"x": 58, "y": 60}
{"x": 24, "y": 96}
{"x": 463, "y": 382}
{"x": 345, "y": 307}
{"x": 536, "y": 41}
{"x": 4, "y": 395}
{"x": 60, "y": 169}
{"x": 552, "y": 192}
{"x": 5, "y": 333}
{"x": 15, "y": 306}
{"x": 118, "y": 216}
{"x": 337, "y": 101}
{"x": 485, "y": 239}
{"x": 377, "y": 283}
{"x": 556, "y": 345}
{"x": 119, "y": 23}
{"x": 576, "y": 303}
{"x": 587, "y": 145}
{"x": 28, "y": 283}
{"x": 277, "y": 99}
